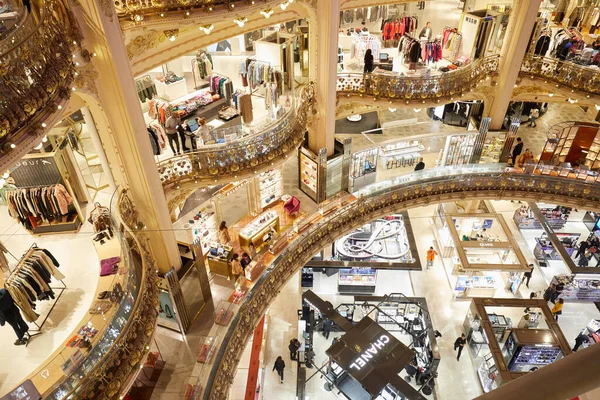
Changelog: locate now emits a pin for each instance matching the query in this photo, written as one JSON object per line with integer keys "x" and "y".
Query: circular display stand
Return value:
{"x": 354, "y": 118}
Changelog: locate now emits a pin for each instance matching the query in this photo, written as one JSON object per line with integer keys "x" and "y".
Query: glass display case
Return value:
{"x": 492, "y": 147}
{"x": 357, "y": 280}
{"x": 487, "y": 372}
{"x": 401, "y": 154}
{"x": 204, "y": 226}
{"x": 364, "y": 168}
{"x": 258, "y": 230}
{"x": 308, "y": 173}
{"x": 579, "y": 287}
{"x": 270, "y": 187}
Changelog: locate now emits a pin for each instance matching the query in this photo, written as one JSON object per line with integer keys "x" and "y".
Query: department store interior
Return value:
{"x": 300, "y": 200}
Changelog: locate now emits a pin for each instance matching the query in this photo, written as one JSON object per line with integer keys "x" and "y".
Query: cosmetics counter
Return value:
{"x": 585, "y": 287}
{"x": 504, "y": 352}
{"x": 364, "y": 168}
{"x": 555, "y": 216}
{"x": 592, "y": 330}
{"x": 544, "y": 250}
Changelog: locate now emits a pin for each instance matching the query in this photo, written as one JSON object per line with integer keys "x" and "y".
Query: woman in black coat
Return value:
{"x": 279, "y": 366}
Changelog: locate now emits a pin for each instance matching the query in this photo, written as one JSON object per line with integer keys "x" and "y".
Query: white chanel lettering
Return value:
{"x": 368, "y": 354}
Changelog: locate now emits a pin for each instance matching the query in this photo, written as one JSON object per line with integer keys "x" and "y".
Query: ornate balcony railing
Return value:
{"x": 124, "y": 331}
{"x": 205, "y": 7}
{"x": 418, "y": 87}
{"x": 245, "y": 156}
{"x": 36, "y": 71}
{"x": 575, "y": 76}
{"x": 420, "y": 188}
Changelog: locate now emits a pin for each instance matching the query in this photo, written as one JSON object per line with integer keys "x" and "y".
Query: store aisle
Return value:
{"x": 456, "y": 379}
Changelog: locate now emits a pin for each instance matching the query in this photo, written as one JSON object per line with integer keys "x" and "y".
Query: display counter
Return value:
{"x": 556, "y": 217}
{"x": 475, "y": 286}
{"x": 357, "y": 280}
{"x": 257, "y": 231}
{"x": 219, "y": 257}
{"x": 171, "y": 91}
{"x": 579, "y": 287}
{"x": 544, "y": 250}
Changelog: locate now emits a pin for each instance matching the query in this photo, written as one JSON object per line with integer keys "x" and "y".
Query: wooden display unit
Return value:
{"x": 219, "y": 264}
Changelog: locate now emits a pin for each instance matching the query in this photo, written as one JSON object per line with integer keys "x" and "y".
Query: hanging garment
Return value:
{"x": 542, "y": 45}
{"x": 246, "y": 108}
{"x": 30, "y": 281}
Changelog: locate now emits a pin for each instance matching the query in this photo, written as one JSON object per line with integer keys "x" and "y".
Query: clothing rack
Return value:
{"x": 254, "y": 92}
{"x": 60, "y": 290}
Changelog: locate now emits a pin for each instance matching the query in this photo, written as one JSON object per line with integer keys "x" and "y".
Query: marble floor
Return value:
{"x": 80, "y": 265}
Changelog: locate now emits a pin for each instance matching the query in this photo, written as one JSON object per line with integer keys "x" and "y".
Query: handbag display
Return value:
{"x": 109, "y": 266}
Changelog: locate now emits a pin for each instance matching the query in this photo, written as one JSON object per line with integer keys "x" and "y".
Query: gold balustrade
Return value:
{"x": 36, "y": 71}
{"x": 136, "y": 9}
{"x": 575, "y": 76}
{"x": 437, "y": 185}
{"x": 419, "y": 88}
{"x": 245, "y": 156}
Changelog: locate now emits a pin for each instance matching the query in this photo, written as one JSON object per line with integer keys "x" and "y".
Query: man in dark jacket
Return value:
{"x": 580, "y": 339}
{"x": 327, "y": 327}
{"x": 459, "y": 343}
{"x": 293, "y": 347}
{"x": 528, "y": 275}
{"x": 420, "y": 165}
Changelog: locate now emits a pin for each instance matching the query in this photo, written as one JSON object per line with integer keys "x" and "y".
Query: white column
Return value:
{"x": 516, "y": 39}
{"x": 325, "y": 49}
{"x": 91, "y": 125}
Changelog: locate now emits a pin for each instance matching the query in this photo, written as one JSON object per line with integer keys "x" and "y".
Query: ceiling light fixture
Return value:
{"x": 392, "y": 109}
{"x": 267, "y": 13}
{"x": 6, "y": 175}
{"x": 285, "y": 4}
{"x": 207, "y": 29}
{"x": 44, "y": 139}
{"x": 571, "y": 100}
{"x": 240, "y": 21}
{"x": 39, "y": 146}
{"x": 550, "y": 94}
{"x": 416, "y": 110}
{"x": 597, "y": 107}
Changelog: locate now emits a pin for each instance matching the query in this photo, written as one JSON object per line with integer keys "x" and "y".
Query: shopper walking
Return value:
{"x": 535, "y": 114}
{"x": 293, "y": 347}
{"x": 583, "y": 260}
{"x": 459, "y": 343}
{"x": 327, "y": 323}
{"x": 279, "y": 366}
{"x": 527, "y": 275}
{"x": 557, "y": 309}
{"x": 583, "y": 246}
{"x": 431, "y": 253}
{"x": 518, "y": 149}
{"x": 581, "y": 339}
{"x": 550, "y": 293}
{"x": 368, "y": 62}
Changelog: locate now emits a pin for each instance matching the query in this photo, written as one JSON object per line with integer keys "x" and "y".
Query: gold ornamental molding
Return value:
{"x": 486, "y": 182}
{"x": 37, "y": 67}
{"x": 243, "y": 158}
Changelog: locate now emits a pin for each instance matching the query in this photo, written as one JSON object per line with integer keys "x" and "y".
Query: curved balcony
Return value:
{"x": 138, "y": 9}
{"x": 574, "y": 76}
{"x": 375, "y": 201}
{"x": 419, "y": 88}
{"x": 124, "y": 330}
{"x": 245, "y": 157}
{"x": 36, "y": 74}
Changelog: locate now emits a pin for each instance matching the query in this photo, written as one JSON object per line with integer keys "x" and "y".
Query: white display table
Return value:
{"x": 171, "y": 91}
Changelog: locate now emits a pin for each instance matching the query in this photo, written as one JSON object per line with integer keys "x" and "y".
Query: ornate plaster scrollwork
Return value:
{"x": 107, "y": 8}
{"x": 86, "y": 79}
{"x": 149, "y": 40}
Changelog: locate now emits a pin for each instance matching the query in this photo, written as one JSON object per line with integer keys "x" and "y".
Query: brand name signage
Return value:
{"x": 370, "y": 352}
